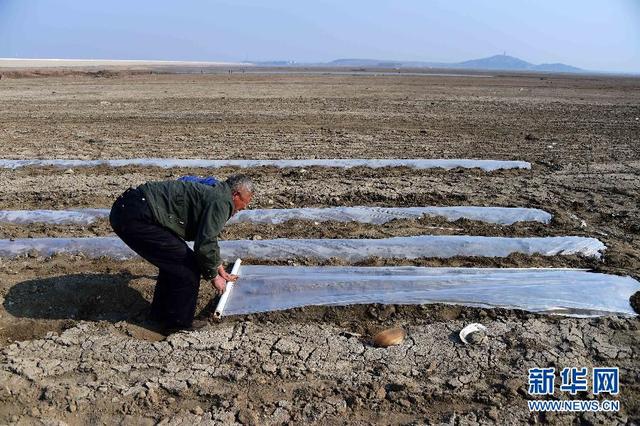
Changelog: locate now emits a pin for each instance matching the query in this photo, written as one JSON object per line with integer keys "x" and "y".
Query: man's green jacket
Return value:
{"x": 195, "y": 212}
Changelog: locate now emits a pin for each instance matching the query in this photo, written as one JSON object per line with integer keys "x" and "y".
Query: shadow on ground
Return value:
{"x": 92, "y": 297}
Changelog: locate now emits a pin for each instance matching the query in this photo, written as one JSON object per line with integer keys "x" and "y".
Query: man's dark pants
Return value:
{"x": 176, "y": 293}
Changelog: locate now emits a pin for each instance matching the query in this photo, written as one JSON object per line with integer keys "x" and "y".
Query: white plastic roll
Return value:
{"x": 227, "y": 291}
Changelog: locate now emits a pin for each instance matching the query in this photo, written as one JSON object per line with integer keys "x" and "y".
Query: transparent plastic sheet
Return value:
{"x": 351, "y": 250}
{"x": 373, "y": 215}
{"x": 447, "y": 164}
{"x": 54, "y": 217}
{"x": 560, "y": 291}
{"x": 380, "y": 215}
{"x": 92, "y": 247}
{"x": 436, "y": 246}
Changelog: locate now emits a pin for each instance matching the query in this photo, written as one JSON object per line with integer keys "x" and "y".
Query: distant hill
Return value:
{"x": 557, "y": 67}
{"x": 510, "y": 63}
{"x": 497, "y": 62}
{"x": 366, "y": 63}
{"x": 493, "y": 63}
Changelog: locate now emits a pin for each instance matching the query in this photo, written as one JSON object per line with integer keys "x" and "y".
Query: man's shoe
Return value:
{"x": 199, "y": 324}
{"x": 195, "y": 325}
{"x": 153, "y": 325}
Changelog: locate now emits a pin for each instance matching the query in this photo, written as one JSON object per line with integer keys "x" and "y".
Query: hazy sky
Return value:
{"x": 592, "y": 34}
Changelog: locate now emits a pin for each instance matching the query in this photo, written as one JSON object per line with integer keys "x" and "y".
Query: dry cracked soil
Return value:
{"x": 73, "y": 349}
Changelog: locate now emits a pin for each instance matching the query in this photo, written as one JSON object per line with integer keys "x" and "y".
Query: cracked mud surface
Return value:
{"x": 270, "y": 372}
{"x": 72, "y": 345}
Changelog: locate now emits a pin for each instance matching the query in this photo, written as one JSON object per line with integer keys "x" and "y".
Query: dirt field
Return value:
{"x": 72, "y": 349}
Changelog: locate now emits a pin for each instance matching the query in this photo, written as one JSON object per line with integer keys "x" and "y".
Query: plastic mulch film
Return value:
{"x": 559, "y": 291}
{"x": 54, "y": 217}
{"x": 351, "y": 250}
{"x": 373, "y": 215}
{"x": 380, "y": 215}
{"x": 435, "y": 246}
{"x": 92, "y": 247}
{"x": 487, "y": 165}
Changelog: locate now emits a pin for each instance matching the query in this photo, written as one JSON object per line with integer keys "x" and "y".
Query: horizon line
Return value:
{"x": 292, "y": 62}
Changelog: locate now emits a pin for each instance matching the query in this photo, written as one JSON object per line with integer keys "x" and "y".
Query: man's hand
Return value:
{"x": 223, "y": 273}
{"x": 219, "y": 284}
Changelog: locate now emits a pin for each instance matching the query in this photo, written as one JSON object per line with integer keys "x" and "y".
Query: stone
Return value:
{"x": 466, "y": 378}
{"x": 284, "y": 404}
{"x": 404, "y": 402}
{"x": 152, "y": 396}
{"x": 454, "y": 382}
{"x": 174, "y": 386}
{"x": 246, "y": 417}
{"x": 280, "y": 416}
{"x": 477, "y": 337}
{"x": 513, "y": 385}
{"x": 286, "y": 346}
{"x": 493, "y": 413}
{"x": 268, "y": 367}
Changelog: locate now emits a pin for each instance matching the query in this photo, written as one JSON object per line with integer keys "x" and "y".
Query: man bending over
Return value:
{"x": 156, "y": 218}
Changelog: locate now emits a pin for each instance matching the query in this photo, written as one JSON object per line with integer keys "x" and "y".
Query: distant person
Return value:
{"x": 156, "y": 218}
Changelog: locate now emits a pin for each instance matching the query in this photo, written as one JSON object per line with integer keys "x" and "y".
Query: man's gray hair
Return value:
{"x": 240, "y": 182}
